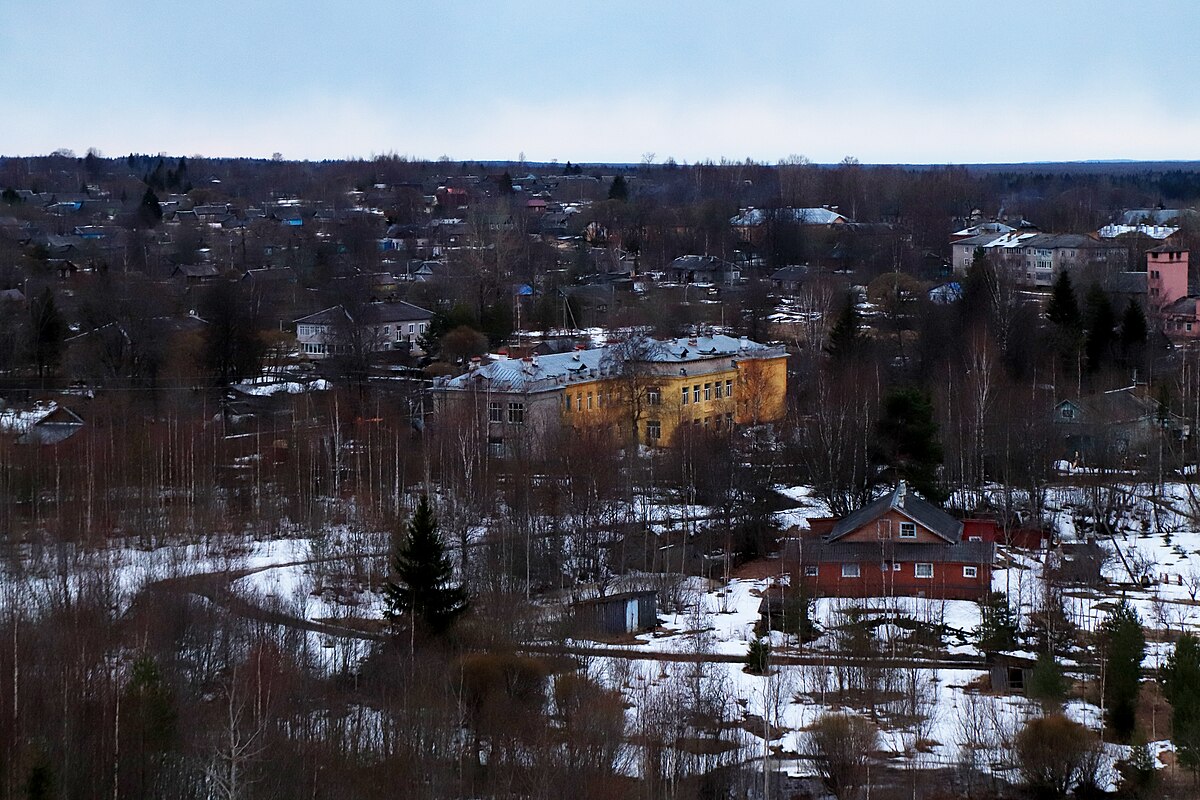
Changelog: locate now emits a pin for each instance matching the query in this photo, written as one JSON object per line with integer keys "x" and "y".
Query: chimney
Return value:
{"x": 475, "y": 362}
{"x": 901, "y": 492}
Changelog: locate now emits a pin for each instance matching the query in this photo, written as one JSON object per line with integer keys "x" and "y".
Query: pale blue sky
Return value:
{"x": 604, "y": 81}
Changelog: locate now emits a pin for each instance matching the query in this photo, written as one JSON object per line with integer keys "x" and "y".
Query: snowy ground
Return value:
{"x": 1158, "y": 535}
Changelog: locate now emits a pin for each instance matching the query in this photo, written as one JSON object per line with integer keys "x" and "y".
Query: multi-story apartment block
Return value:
{"x": 644, "y": 389}
{"x": 373, "y": 328}
{"x": 1034, "y": 260}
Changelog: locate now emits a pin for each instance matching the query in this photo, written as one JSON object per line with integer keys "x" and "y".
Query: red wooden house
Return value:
{"x": 898, "y": 545}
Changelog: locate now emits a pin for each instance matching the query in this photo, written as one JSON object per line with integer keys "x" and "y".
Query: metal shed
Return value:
{"x": 628, "y": 612}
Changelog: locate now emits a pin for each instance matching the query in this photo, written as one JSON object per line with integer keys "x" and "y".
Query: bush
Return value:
{"x": 839, "y": 746}
{"x": 1054, "y": 754}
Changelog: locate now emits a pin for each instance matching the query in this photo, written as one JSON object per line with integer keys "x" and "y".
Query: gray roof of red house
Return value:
{"x": 816, "y": 551}
{"x": 908, "y": 504}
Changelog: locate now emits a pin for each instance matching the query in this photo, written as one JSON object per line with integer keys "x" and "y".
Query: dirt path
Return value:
{"x": 216, "y": 588}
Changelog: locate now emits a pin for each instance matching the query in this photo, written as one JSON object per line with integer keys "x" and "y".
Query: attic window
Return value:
{"x": 908, "y": 530}
{"x": 1068, "y": 412}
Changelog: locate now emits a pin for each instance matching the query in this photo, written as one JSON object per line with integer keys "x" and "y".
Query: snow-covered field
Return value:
{"x": 922, "y": 713}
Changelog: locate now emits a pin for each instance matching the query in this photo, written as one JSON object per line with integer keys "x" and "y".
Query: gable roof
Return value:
{"x": 1114, "y": 406}
{"x": 900, "y": 499}
{"x": 370, "y": 314}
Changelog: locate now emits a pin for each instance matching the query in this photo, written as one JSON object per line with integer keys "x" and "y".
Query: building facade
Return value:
{"x": 645, "y": 389}
{"x": 899, "y": 545}
{"x": 373, "y": 328}
{"x": 1034, "y": 260}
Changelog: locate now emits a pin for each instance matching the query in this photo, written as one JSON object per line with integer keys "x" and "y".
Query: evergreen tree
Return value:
{"x": 844, "y": 337}
{"x": 1181, "y": 685}
{"x": 1063, "y": 310}
{"x": 1124, "y": 644}
{"x": 506, "y": 184}
{"x": 906, "y": 441}
{"x": 1101, "y": 326}
{"x": 181, "y": 175}
{"x": 1133, "y": 333}
{"x": 997, "y": 624}
{"x": 1047, "y": 684}
{"x": 1066, "y": 322}
{"x": 1133, "y": 325}
{"x": 47, "y": 331}
{"x": 421, "y": 584}
{"x": 618, "y": 190}
{"x": 758, "y": 657}
{"x": 150, "y": 210}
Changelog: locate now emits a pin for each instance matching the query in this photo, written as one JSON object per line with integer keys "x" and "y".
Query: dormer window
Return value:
{"x": 908, "y": 530}
{"x": 1068, "y": 412}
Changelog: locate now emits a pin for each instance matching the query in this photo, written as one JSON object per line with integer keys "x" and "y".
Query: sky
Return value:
{"x": 884, "y": 81}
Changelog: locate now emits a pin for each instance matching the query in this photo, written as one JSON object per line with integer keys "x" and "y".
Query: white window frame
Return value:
{"x": 516, "y": 413}
{"x": 654, "y": 396}
{"x": 811, "y": 570}
{"x": 917, "y": 570}
{"x": 851, "y": 570}
{"x": 495, "y": 411}
{"x": 653, "y": 430}
{"x": 970, "y": 572}
{"x": 908, "y": 530}
{"x": 686, "y": 395}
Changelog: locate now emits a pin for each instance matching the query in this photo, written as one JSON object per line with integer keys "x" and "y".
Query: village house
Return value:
{"x": 382, "y": 326}
{"x": 1106, "y": 428}
{"x": 648, "y": 387}
{"x": 899, "y": 545}
{"x": 702, "y": 269}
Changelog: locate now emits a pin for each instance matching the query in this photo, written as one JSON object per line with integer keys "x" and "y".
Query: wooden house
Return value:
{"x": 899, "y": 545}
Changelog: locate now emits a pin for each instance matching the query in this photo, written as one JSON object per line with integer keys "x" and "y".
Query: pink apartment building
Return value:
{"x": 1167, "y": 292}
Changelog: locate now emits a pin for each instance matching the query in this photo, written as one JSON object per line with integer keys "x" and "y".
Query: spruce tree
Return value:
{"x": 618, "y": 190}
{"x": 1047, "y": 684}
{"x": 906, "y": 441}
{"x": 844, "y": 338}
{"x": 1133, "y": 333}
{"x": 997, "y": 624}
{"x": 47, "y": 332}
{"x": 1101, "y": 328}
{"x": 421, "y": 584}
{"x": 1181, "y": 685}
{"x": 1124, "y": 645}
{"x": 150, "y": 210}
{"x": 1063, "y": 310}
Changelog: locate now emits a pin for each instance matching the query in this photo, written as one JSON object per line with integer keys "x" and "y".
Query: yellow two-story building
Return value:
{"x": 642, "y": 388}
